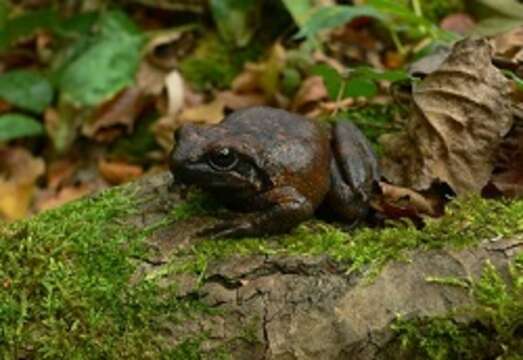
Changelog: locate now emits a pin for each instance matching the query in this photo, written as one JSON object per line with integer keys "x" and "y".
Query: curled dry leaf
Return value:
{"x": 510, "y": 44}
{"x": 166, "y": 48}
{"x": 211, "y": 113}
{"x": 150, "y": 79}
{"x": 118, "y": 172}
{"x": 459, "y": 116}
{"x": 508, "y": 176}
{"x": 310, "y": 93}
{"x": 397, "y": 202}
{"x": 19, "y": 171}
{"x": 120, "y": 113}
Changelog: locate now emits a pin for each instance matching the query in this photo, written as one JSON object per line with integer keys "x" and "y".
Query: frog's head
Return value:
{"x": 218, "y": 158}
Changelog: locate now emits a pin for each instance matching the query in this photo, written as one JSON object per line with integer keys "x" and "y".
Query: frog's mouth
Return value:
{"x": 237, "y": 184}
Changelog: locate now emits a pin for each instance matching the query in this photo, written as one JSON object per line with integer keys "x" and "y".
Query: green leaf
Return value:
{"x": 106, "y": 66}
{"x": 15, "y": 126}
{"x": 27, "y": 90}
{"x": 510, "y": 8}
{"x": 236, "y": 19}
{"x": 358, "y": 86}
{"x": 25, "y": 25}
{"x": 328, "y": 17}
{"x": 300, "y": 10}
{"x": 331, "y": 78}
{"x": 377, "y": 75}
{"x": 496, "y": 25}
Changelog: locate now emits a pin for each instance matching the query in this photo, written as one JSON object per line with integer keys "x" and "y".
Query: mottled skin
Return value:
{"x": 277, "y": 168}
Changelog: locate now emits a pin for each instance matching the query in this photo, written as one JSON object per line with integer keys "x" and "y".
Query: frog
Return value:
{"x": 274, "y": 169}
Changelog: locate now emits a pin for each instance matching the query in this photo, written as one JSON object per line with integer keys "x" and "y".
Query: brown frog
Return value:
{"x": 277, "y": 168}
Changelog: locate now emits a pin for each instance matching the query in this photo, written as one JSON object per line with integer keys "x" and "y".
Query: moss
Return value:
{"x": 495, "y": 332}
{"x": 65, "y": 285}
{"x": 65, "y": 280}
{"x": 466, "y": 223}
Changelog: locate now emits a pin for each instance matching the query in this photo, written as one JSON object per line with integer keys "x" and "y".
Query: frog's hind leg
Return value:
{"x": 354, "y": 172}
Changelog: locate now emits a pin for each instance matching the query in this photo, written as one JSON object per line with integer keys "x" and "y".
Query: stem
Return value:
{"x": 397, "y": 42}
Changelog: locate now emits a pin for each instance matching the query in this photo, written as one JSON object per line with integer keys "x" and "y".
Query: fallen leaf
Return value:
{"x": 235, "y": 101}
{"x": 150, "y": 79}
{"x": 118, "y": 172}
{"x": 51, "y": 199}
{"x": 509, "y": 46}
{"x": 508, "y": 175}
{"x": 19, "y": 171}
{"x": 166, "y": 48}
{"x": 59, "y": 172}
{"x": 116, "y": 115}
{"x": 163, "y": 130}
{"x": 211, "y": 113}
{"x": 459, "y": 116}
{"x": 311, "y": 91}
{"x": 396, "y": 202}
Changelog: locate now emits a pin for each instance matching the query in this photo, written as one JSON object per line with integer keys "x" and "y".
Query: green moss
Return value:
{"x": 495, "y": 332}
{"x": 65, "y": 285}
{"x": 466, "y": 222}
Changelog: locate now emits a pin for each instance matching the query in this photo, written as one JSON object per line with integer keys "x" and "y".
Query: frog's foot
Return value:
{"x": 289, "y": 209}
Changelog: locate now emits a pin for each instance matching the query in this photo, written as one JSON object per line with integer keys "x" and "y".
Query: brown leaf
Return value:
{"x": 459, "y": 116}
{"x": 396, "y": 201}
{"x": 510, "y": 44}
{"x": 50, "y": 199}
{"x": 116, "y": 115}
{"x": 211, "y": 113}
{"x": 118, "y": 172}
{"x": 311, "y": 91}
{"x": 150, "y": 79}
{"x": 19, "y": 171}
{"x": 235, "y": 101}
{"x": 59, "y": 172}
{"x": 163, "y": 130}
{"x": 508, "y": 175}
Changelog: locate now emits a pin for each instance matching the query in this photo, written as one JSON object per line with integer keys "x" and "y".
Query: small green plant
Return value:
{"x": 492, "y": 327}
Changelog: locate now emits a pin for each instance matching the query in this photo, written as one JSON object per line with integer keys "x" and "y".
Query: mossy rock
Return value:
{"x": 122, "y": 275}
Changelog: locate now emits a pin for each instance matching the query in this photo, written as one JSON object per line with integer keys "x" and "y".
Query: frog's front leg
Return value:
{"x": 354, "y": 172}
{"x": 286, "y": 208}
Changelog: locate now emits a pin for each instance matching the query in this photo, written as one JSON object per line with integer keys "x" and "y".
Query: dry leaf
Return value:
{"x": 459, "y": 116}
{"x": 19, "y": 171}
{"x": 235, "y": 101}
{"x": 312, "y": 91}
{"x": 51, "y": 199}
{"x": 508, "y": 176}
{"x": 510, "y": 44}
{"x": 119, "y": 113}
{"x": 118, "y": 172}
{"x": 211, "y": 113}
{"x": 59, "y": 172}
{"x": 163, "y": 130}
{"x": 396, "y": 201}
{"x": 150, "y": 79}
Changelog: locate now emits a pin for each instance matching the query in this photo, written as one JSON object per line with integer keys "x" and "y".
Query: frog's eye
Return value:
{"x": 223, "y": 159}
